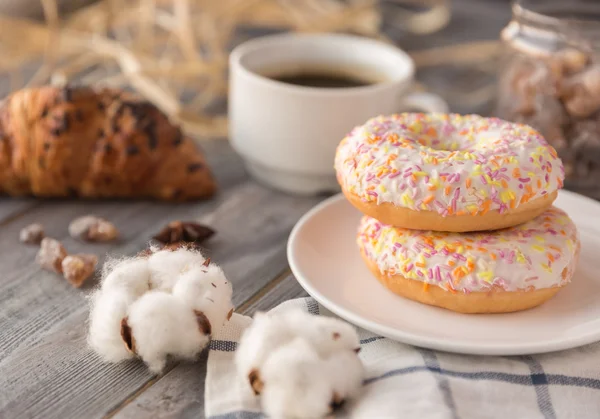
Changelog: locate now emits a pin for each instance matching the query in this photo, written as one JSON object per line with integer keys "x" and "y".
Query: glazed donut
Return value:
{"x": 481, "y": 272}
{"x": 448, "y": 172}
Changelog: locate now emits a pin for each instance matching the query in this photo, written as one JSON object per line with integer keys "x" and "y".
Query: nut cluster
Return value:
{"x": 32, "y": 234}
{"x": 79, "y": 267}
{"x": 559, "y": 95}
{"x": 52, "y": 256}
{"x": 93, "y": 229}
{"x": 76, "y": 268}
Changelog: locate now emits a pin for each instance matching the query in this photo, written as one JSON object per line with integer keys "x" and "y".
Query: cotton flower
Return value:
{"x": 168, "y": 303}
{"x": 129, "y": 276}
{"x": 108, "y": 309}
{"x": 167, "y": 266}
{"x": 158, "y": 325}
{"x": 206, "y": 289}
{"x": 302, "y": 366}
{"x": 296, "y": 384}
{"x": 328, "y": 335}
{"x": 258, "y": 341}
{"x": 346, "y": 373}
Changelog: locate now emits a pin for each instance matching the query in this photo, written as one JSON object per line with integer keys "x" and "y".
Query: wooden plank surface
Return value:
{"x": 46, "y": 370}
{"x": 180, "y": 393}
{"x": 11, "y": 209}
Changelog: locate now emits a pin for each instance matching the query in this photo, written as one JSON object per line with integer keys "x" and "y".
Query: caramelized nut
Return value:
{"x": 581, "y": 93}
{"x": 181, "y": 231}
{"x": 77, "y": 268}
{"x": 32, "y": 234}
{"x": 93, "y": 229}
{"x": 51, "y": 255}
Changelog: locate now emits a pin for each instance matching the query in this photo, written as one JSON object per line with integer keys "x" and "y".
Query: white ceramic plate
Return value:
{"x": 324, "y": 257}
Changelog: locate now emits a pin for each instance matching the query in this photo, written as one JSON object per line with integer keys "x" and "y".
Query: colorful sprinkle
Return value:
{"x": 404, "y": 153}
{"x": 528, "y": 256}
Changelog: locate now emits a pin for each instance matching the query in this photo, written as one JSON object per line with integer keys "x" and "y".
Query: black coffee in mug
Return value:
{"x": 311, "y": 76}
{"x": 314, "y": 79}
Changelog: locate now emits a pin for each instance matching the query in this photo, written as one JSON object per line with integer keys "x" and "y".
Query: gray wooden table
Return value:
{"x": 46, "y": 369}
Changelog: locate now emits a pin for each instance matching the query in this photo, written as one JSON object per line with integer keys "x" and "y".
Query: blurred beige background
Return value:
{"x": 33, "y": 8}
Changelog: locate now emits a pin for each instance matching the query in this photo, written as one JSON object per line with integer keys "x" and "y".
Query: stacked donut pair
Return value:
{"x": 458, "y": 210}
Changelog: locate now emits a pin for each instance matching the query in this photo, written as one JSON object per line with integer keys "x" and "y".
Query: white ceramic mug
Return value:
{"x": 287, "y": 134}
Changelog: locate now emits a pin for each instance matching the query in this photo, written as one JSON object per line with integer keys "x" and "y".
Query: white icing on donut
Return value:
{"x": 450, "y": 164}
{"x": 526, "y": 257}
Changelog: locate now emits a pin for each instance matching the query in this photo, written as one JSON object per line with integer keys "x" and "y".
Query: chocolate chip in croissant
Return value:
{"x": 132, "y": 150}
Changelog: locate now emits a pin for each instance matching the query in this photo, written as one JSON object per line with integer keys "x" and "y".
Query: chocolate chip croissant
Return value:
{"x": 96, "y": 143}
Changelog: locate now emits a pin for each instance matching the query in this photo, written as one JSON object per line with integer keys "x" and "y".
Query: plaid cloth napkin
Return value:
{"x": 408, "y": 382}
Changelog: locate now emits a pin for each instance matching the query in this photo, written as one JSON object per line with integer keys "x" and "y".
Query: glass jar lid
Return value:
{"x": 542, "y": 27}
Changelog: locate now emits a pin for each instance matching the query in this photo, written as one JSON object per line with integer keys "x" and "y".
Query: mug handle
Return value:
{"x": 425, "y": 102}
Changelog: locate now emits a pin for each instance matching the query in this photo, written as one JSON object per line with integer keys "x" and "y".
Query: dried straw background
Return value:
{"x": 174, "y": 52}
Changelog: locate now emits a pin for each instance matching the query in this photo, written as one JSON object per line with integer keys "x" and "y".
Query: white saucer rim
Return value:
{"x": 529, "y": 348}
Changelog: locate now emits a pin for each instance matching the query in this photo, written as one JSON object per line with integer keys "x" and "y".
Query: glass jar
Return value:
{"x": 550, "y": 79}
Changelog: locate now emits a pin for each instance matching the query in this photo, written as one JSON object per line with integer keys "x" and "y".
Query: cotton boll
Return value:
{"x": 346, "y": 372}
{"x": 168, "y": 265}
{"x": 160, "y": 325}
{"x": 217, "y": 310}
{"x": 191, "y": 286}
{"x": 163, "y": 303}
{"x": 206, "y": 289}
{"x": 131, "y": 276}
{"x": 296, "y": 384}
{"x": 216, "y": 304}
{"x": 328, "y": 335}
{"x": 301, "y": 365}
{"x": 108, "y": 308}
{"x": 261, "y": 339}
{"x": 123, "y": 282}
